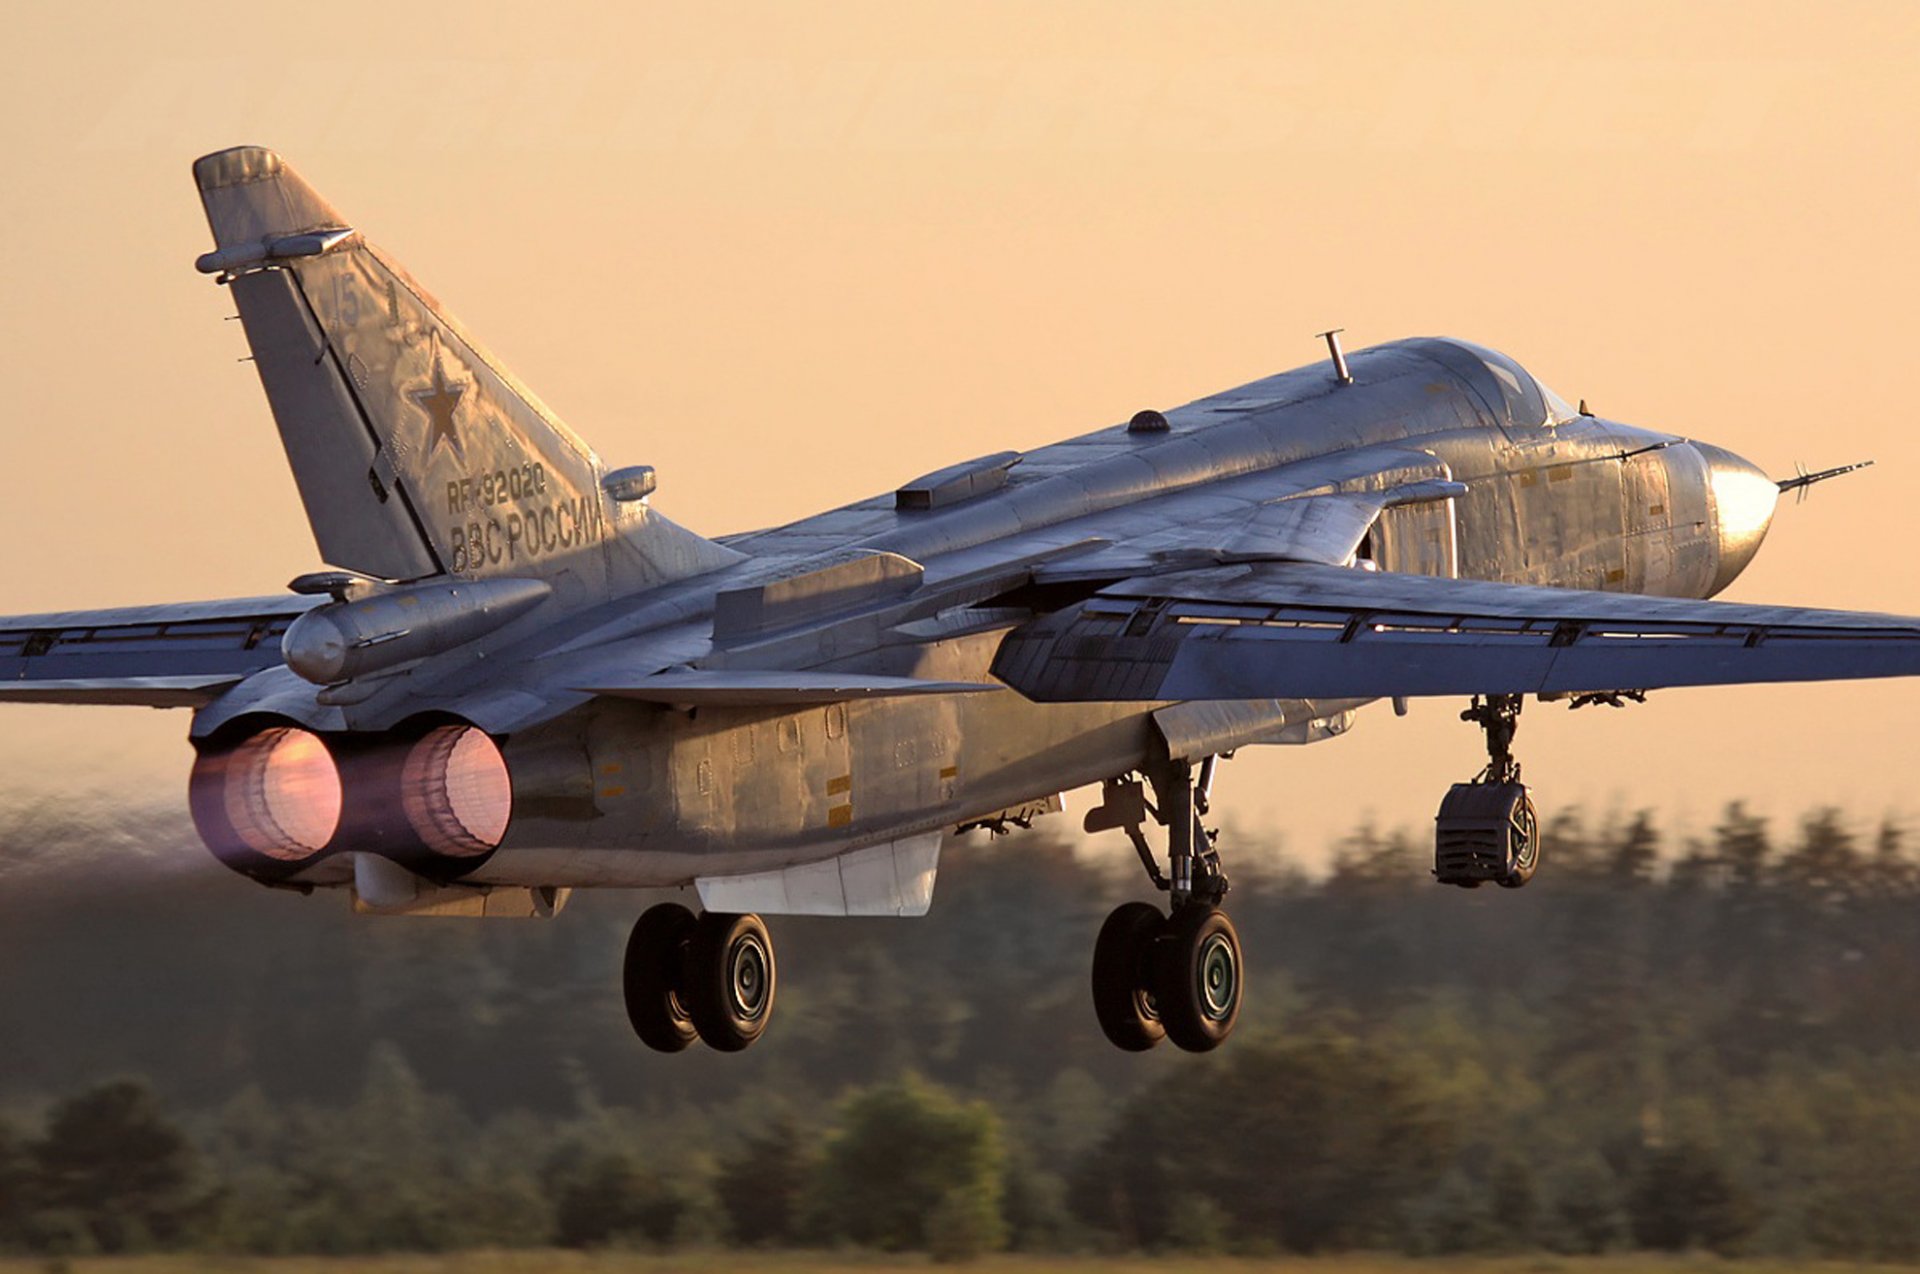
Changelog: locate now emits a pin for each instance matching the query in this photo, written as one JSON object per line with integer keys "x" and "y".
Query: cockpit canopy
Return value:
{"x": 1504, "y": 384}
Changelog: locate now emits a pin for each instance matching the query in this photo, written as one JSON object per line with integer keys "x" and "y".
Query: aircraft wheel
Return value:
{"x": 1198, "y": 978}
{"x": 730, "y": 980}
{"x": 654, "y": 976}
{"x": 1525, "y": 838}
{"x": 1123, "y": 997}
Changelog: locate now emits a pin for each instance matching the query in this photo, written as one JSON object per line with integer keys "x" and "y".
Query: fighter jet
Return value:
{"x": 516, "y": 677}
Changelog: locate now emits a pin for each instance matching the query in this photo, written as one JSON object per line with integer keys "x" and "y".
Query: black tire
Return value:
{"x": 1198, "y": 978}
{"x": 1123, "y": 997}
{"x": 1526, "y": 845}
{"x": 654, "y": 974}
{"x": 730, "y": 980}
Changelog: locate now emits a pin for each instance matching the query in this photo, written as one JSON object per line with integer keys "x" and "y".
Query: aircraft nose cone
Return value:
{"x": 1742, "y": 497}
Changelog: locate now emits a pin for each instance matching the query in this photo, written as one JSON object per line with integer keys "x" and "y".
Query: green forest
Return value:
{"x": 1708, "y": 1042}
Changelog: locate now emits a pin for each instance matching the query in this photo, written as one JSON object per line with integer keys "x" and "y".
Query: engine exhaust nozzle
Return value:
{"x": 275, "y": 795}
{"x": 456, "y": 792}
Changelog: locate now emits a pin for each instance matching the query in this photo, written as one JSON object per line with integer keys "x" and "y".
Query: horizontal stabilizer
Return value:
{"x": 745, "y": 688}
{"x": 178, "y": 655}
{"x": 141, "y": 692}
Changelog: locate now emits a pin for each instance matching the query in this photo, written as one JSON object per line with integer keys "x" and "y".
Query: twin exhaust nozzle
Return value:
{"x": 436, "y": 800}
{"x": 278, "y": 800}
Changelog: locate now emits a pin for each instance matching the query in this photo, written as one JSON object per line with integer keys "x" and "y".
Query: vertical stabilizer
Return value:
{"x": 415, "y": 451}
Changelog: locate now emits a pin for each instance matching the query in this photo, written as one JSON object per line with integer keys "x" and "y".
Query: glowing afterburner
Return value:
{"x": 456, "y": 792}
{"x": 276, "y": 793}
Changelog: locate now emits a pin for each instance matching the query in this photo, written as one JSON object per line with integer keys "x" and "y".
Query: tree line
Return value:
{"x": 1708, "y": 1043}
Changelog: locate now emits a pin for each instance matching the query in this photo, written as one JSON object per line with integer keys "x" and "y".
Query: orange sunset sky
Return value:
{"x": 793, "y": 255}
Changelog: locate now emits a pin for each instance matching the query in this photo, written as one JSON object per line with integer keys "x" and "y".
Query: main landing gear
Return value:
{"x": 1177, "y": 976}
{"x": 1487, "y": 829}
{"x": 708, "y": 977}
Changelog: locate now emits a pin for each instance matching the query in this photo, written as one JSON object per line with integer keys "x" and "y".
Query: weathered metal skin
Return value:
{"x": 723, "y": 791}
{"x": 631, "y": 794}
{"x": 597, "y": 696}
{"x": 676, "y": 794}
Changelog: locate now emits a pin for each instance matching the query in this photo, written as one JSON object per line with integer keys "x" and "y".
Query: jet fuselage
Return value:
{"x": 617, "y": 792}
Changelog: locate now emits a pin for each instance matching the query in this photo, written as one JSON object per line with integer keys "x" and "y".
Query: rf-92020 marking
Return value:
{"x": 549, "y": 685}
{"x": 497, "y": 486}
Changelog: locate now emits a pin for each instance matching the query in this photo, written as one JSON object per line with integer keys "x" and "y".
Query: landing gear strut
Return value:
{"x": 1177, "y": 977}
{"x": 709, "y": 977}
{"x": 1487, "y": 829}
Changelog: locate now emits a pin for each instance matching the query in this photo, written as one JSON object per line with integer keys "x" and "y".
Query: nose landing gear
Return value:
{"x": 1177, "y": 976}
{"x": 1487, "y": 829}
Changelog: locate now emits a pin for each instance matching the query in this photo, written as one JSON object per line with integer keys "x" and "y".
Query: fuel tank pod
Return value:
{"x": 343, "y": 640}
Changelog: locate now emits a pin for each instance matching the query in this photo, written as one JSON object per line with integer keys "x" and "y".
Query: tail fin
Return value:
{"x": 415, "y": 452}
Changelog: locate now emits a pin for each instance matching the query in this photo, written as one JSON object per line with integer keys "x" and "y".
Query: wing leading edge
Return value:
{"x": 1298, "y": 631}
{"x": 178, "y": 655}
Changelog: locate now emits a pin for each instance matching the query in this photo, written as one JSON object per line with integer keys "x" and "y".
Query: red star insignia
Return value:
{"x": 439, "y": 401}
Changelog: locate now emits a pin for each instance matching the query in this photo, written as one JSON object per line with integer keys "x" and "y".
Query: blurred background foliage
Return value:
{"x": 1709, "y": 1044}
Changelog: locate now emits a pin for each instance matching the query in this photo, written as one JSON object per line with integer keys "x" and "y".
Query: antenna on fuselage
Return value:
{"x": 1332, "y": 338}
{"x": 1802, "y": 479}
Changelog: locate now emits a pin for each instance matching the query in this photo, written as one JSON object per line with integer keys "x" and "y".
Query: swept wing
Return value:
{"x": 1301, "y": 631}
